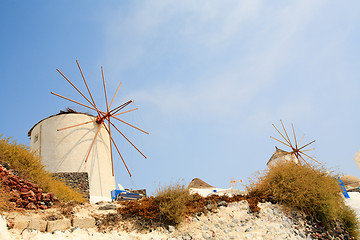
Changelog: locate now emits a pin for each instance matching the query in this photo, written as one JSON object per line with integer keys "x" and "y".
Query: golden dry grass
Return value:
{"x": 172, "y": 201}
{"x": 4, "y": 199}
{"x": 311, "y": 189}
{"x": 29, "y": 166}
{"x": 169, "y": 206}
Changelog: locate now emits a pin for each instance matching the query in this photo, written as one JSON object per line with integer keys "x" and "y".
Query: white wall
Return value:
{"x": 66, "y": 150}
{"x": 4, "y": 234}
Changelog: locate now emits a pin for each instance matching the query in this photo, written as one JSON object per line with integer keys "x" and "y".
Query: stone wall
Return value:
{"x": 76, "y": 180}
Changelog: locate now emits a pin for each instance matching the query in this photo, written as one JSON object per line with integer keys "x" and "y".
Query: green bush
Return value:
{"x": 311, "y": 189}
{"x": 28, "y": 165}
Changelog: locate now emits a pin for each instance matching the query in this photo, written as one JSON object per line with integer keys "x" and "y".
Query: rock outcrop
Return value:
{"x": 23, "y": 193}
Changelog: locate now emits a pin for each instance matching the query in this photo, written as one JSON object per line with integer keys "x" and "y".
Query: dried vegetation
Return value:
{"x": 311, "y": 189}
{"x": 29, "y": 167}
{"x": 172, "y": 204}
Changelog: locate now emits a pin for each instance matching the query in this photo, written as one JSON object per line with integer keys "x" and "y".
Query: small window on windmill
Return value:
{"x": 36, "y": 138}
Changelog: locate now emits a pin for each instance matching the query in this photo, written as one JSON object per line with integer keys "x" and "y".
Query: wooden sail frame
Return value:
{"x": 296, "y": 149}
{"x": 108, "y": 116}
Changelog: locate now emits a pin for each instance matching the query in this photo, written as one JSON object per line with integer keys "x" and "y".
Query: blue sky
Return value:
{"x": 209, "y": 78}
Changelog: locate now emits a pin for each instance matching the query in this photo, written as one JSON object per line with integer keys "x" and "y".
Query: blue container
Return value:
{"x": 115, "y": 193}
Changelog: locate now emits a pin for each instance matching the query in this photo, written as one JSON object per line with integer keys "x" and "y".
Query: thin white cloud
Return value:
{"x": 232, "y": 88}
{"x": 273, "y": 38}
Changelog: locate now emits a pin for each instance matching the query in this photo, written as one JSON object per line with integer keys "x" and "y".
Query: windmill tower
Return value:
{"x": 63, "y": 151}
{"x": 73, "y": 142}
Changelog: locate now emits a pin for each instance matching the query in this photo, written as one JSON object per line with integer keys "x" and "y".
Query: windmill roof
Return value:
{"x": 198, "y": 183}
{"x": 278, "y": 153}
{"x": 66, "y": 111}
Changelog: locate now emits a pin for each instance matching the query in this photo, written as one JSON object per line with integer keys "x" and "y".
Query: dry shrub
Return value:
{"x": 169, "y": 206}
{"x": 172, "y": 204}
{"x": 28, "y": 165}
{"x": 172, "y": 201}
{"x": 349, "y": 219}
{"x": 5, "y": 196}
{"x": 109, "y": 221}
{"x": 67, "y": 209}
{"x": 195, "y": 204}
{"x": 310, "y": 189}
{"x": 146, "y": 208}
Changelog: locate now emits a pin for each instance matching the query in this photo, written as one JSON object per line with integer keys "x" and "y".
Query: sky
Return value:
{"x": 209, "y": 78}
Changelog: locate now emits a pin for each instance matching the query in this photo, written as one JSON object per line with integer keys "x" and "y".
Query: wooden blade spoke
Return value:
{"x": 115, "y": 110}
{"x": 106, "y": 98}
{"x": 292, "y": 125}
{"x": 281, "y": 135}
{"x": 75, "y": 102}
{"x": 125, "y": 112}
{"x": 128, "y": 140}
{"x": 117, "y": 150}
{"x": 286, "y": 134}
{"x": 112, "y": 160}
{"x": 309, "y": 156}
{"x": 103, "y": 118}
{"x": 87, "y": 87}
{"x": 76, "y": 125}
{"x": 280, "y": 141}
{"x": 115, "y": 95}
{"x": 304, "y": 160}
{"x": 75, "y": 87}
{"x": 306, "y": 145}
{"x": 128, "y": 124}
{"x": 301, "y": 139}
{"x": 92, "y": 144}
{"x": 307, "y": 150}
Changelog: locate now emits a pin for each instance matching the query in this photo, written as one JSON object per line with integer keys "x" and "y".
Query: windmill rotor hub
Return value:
{"x": 99, "y": 120}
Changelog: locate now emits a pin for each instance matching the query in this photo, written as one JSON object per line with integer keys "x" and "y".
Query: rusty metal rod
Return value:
{"x": 129, "y": 124}
{"x": 115, "y": 95}
{"x": 128, "y": 140}
{"x": 76, "y": 125}
{"x": 118, "y": 150}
